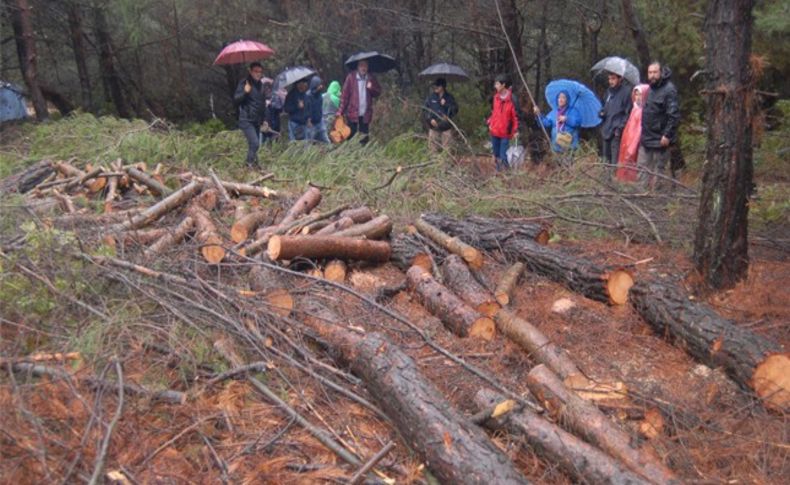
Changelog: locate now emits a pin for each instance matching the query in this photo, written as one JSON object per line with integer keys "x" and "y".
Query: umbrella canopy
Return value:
{"x": 585, "y": 101}
{"x": 619, "y": 66}
{"x": 292, "y": 75}
{"x": 376, "y": 62}
{"x": 243, "y": 51}
{"x": 450, "y": 72}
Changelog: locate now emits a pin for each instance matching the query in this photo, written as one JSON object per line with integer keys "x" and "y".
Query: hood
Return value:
{"x": 334, "y": 88}
{"x": 666, "y": 75}
{"x": 315, "y": 81}
{"x": 567, "y": 96}
{"x": 643, "y": 90}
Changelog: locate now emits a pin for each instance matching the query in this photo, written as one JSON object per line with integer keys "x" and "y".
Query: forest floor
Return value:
{"x": 710, "y": 430}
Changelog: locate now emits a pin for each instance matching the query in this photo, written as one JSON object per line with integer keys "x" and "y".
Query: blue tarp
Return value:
{"x": 12, "y": 102}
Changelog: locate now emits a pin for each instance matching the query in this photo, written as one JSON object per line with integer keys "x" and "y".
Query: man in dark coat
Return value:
{"x": 356, "y": 99}
{"x": 616, "y": 107}
{"x": 437, "y": 111}
{"x": 250, "y": 99}
{"x": 296, "y": 105}
{"x": 660, "y": 118}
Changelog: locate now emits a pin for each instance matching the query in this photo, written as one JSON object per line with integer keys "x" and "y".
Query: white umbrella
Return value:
{"x": 619, "y": 66}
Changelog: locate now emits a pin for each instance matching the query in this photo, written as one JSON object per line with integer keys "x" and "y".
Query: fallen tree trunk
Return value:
{"x": 454, "y": 450}
{"x": 582, "y": 276}
{"x": 161, "y": 208}
{"x": 170, "y": 239}
{"x": 247, "y": 225}
{"x": 28, "y": 179}
{"x": 590, "y": 423}
{"x": 457, "y": 316}
{"x": 377, "y": 228}
{"x": 472, "y": 256}
{"x": 459, "y": 279}
{"x": 487, "y": 232}
{"x": 315, "y": 247}
{"x": 753, "y": 361}
{"x": 412, "y": 249}
{"x": 156, "y": 187}
{"x": 508, "y": 282}
{"x": 581, "y": 461}
{"x": 207, "y": 235}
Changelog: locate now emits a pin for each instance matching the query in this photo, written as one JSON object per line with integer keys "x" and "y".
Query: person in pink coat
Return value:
{"x": 629, "y": 145}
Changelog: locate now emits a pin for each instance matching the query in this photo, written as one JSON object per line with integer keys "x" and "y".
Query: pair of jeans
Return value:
{"x": 611, "y": 152}
{"x": 361, "y": 127}
{"x": 251, "y": 133}
{"x": 318, "y": 133}
{"x": 499, "y": 147}
{"x": 297, "y": 131}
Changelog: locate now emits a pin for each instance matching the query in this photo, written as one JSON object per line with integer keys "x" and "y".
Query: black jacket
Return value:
{"x": 435, "y": 111}
{"x": 252, "y": 105}
{"x": 295, "y": 113}
{"x": 616, "y": 107}
{"x": 661, "y": 113}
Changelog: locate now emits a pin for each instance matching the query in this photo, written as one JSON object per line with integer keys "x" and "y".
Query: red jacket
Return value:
{"x": 349, "y": 99}
{"x": 503, "y": 122}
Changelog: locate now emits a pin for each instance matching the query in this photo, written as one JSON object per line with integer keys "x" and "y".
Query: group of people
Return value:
{"x": 638, "y": 123}
{"x": 311, "y": 111}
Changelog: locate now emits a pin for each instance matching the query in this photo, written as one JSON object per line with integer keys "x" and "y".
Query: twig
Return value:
{"x": 398, "y": 170}
{"x": 371, "y": 463}
{"x": 99, "y": 467}
{"x": 176, "y": 437}
{"x": 218, "y": 184}
{"x": 223, "y": 468}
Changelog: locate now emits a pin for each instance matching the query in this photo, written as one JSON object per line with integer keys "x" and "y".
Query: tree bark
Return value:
{"x": 315, "y": 247}
{"x": 170, "y": 239}
{"x": 19, "y": 13}
{"x": 206, "y": 232}
{"x": 80, "y": 54}
{"x": 111, "y": 79}
{"x": 247, "y": 225}
{"x": 457, "y": 316}
{"x": 153, "y": 185}
{"x": 458, "y": 278}
{"x": 409, "y": 250}
{"x": 721, "y": 247}
{"x": 581, "y": 461}
{"x": 488, "y": 233}
{"x": 377, "y": 228}
{"x": 472, "y": 256}
{"x": 332, "y": 228}
{"x": 358, "y": 214}
{"x": 161, "y": 208}
{"x": 632, "y": 23}
{"x": 307, "y": 202}
{"x": 28, "y": 179}
{"x": 454, "y": 450}
{"x": 751, "y": 360}
{"x": 590, "y": 423}
{"x": 507, "y": 283}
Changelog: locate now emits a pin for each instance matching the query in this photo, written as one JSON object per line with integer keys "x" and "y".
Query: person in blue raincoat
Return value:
{"x": 563, "y": 122}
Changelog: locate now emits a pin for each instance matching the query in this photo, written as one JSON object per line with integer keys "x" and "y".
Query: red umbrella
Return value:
{"x": 243, "y": 51}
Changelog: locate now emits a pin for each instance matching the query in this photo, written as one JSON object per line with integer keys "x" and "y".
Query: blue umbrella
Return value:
{"x": 584, "y": 100}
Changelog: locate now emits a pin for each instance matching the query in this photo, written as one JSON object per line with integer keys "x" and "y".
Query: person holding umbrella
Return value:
{"x": 574, "y": 106}
{"x": 250, "y": 98}
{"x": 614, "y": 114}
{"x": 438, "y": 109}
{"x": 356, "y": 100}
{"x": 296, "y": 105}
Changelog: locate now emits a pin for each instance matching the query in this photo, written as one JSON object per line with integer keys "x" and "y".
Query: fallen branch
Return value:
{"x": 507, "y": 283}
{"x": 472, "y": 256}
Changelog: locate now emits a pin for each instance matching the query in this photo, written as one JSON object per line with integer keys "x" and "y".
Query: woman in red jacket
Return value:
{"x": 503, "y": 122}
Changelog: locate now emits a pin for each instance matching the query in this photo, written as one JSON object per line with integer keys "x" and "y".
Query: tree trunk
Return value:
{"x": 511, "y": 17}
{"x": 80, "y": 54}
{"x": 488, "y": 233}
{"x": 458, "y": 278}
{"x": 315, "y": 247}
{"x": 454, "y": 450}
{"x": 751, "y": 360}
{"x": 409, "y": 250}
{"x": 457, "y": 316}
{"x": 721, "y": 248}
{"x": 112, "y": 80}
{"x": 19, "y": 13}
{"x": 590, "y": 423}
{"x": 581, "y": 461}
{"x": 632, "y": 23}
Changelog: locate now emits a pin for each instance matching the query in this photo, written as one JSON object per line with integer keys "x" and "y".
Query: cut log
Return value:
{"x": 412, "y": 249}
{"x": 156, "y": 187}
{"x": 265, "y": 282}
{"x": 358, "y": 214}
{"x": 331, "y": 228}
{"x": 142, "y": 237}
{"x": 77, "y": 181}
{"x": 238, "y": 189}
{"x": 208, "y": 199}
{"x": 218, "y": 185}
{"x": 170, "y": 239}
{"x": 307, "y": 202}
{"x": 472, "y": 256}
{"x": 66, "y": 204}
{"x": 161, "y": 208}
{"x": 68, "y": 169}
{"x": 753, "y": 361}
{"x": 335, "y": 270}
{"x": 580, "y": 275}
{"x": 454, "y": 450}
{"x": 28, "y": 179}
{"x": 111, "y": 193}
{"x": 377, "y": 228}
{"x": 207, "y": 235}
{"x": 244, "y": 227}
{"x": 316, "y": 247}
{"x": 457, "y": 316}
{"x": 587, "y": 421}
{"x": 458, "y": 278}
{"x": 508, "y": 282}
{"x": 486, "y": 232}
{"x": 296, "y": 226}
{"x": 581, "y": 461}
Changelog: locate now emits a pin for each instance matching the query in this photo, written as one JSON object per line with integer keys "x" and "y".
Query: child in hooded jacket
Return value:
{"x": 503, "y": 122}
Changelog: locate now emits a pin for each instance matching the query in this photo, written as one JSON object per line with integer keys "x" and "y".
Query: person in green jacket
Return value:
{"x": 330, "y": 105}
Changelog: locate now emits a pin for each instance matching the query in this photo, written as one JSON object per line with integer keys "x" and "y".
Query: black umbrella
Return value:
{"x": 376, "y": 62}
{"x": 292, "y": 75}
{"x": 445, "y": 70}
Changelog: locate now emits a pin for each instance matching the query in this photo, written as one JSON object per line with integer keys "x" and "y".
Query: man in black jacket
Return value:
{"x": 251, "y": 102}
{"x": 660, "y": 118}
{"x": 616, "y": 107}
{"x": 439, "y": 107}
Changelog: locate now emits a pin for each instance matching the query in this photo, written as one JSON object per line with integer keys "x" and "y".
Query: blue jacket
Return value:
{"x": 573, "y": 122}
{"x": 295, "y": 113}
{"x": 315, "y": 101}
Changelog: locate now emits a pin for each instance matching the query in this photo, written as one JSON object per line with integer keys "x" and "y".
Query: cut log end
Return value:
{"x": 424, "y": 261}
{"x": 483, "y": 328}
{"x": 274, "y": 247}
{"x": 618, "y": 284}
{"x": 280, "y": 301}
{"x": 771, "y": 382}
{"x": 488, "y": 308}
{"x": 543, "y": 237}
{"x": 212, "y": 251}
{"x": 335, "y": 271}
{"x": 473, "y": 258}
{"x": 503, "y": 299}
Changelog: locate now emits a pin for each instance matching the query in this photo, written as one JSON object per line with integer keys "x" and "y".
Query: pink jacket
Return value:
{"x": 349, "y": 99}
